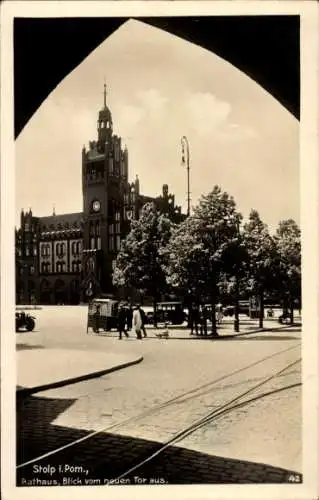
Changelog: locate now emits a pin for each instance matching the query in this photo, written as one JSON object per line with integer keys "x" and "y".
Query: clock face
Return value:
{"x": 96, "y": 205}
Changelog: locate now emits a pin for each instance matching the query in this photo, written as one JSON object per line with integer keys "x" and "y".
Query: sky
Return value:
{"x": 161, "y": 87}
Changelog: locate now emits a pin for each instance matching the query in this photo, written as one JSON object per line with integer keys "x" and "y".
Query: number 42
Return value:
{"x": 294, "y": 478}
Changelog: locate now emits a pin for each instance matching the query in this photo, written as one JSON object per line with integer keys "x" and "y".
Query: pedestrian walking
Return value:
{"x": 203, "y": 320}
{"x": 143, "y": 318}
{"x": 121, "y": 321}
{"x": 219, "y": 313}
{"x": 137, "y": 322}
{"x": 129, "y": 317}
{"x": 194, "y": 318}
{"x": 97, "y": 317}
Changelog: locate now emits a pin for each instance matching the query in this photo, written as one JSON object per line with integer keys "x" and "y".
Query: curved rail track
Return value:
{"x": 210, "y": 388}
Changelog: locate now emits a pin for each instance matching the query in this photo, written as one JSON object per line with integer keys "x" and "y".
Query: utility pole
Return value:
{"x": 185, "y": 161}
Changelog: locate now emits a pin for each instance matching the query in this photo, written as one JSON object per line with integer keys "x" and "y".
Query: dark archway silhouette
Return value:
{"x": 45, "y": 292}
{"x": 265, "y": 47}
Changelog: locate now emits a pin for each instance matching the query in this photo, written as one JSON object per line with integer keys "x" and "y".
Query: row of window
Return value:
{"x": 95, "y": 175}
{"x": 115, "y": 228}
{"x": 114, "y": 243}
{"x": 95, "y": 243}
{"x": 30, "y": 270}
{"x": 27, "y": 251}
{"x": 60, "y": 249}
{"x": 95, "y": 229}
{"x": 61, "y": 267}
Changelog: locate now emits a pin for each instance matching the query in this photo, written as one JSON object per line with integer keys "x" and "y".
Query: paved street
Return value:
{"x": 197, "y": 375}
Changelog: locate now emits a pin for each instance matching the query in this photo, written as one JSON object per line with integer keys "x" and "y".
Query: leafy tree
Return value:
{"x": 263, "y": 259}
{"x": 235, "y": 267}
{"x": 139, "y": 262}
{"x": 199, "y": 250}
{"x": 288, "y": 243}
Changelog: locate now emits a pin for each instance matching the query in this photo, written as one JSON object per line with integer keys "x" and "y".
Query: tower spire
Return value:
{"x": 105, "y": 92}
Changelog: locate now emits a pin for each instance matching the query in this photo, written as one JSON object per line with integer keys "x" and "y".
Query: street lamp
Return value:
{"x": 236, "y": 322}
{"x": 185, "y": 161}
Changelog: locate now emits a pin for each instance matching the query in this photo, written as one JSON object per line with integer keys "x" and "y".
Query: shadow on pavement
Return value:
{"x": 106, "y": 456}
{"x": 22, "y": 347}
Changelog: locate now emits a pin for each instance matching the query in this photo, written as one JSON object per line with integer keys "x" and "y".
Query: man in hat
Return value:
{"x": 121, "y": 321}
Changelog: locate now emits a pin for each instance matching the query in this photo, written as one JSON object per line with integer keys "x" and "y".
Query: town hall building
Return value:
{"x": 68, "y": 258}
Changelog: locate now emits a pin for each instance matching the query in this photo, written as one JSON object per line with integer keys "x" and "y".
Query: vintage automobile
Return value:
{"x": 243, "y": 308}
{"x": 170, "y": 312}
{"x": 102, "y": 315}
{"x": 24, "y": 322}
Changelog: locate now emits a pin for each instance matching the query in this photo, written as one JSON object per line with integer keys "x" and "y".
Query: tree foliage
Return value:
{"x": 262, "y": 252}
{"x": 139, "y": 263}
{"x": 288, "y": 243}
{"x": 201, "y": 249}
{"x": 262, "y": 270}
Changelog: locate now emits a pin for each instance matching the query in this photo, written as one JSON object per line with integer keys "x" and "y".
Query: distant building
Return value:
{"x": 66, "y": 259}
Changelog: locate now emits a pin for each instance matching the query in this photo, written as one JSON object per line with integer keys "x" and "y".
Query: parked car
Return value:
{"x": 167, "y": 312}
{"x": 243, "y": 308}
{"x": 24, "y": 322}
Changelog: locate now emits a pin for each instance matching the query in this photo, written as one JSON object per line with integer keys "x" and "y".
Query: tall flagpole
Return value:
{"x": 185, "y": 152}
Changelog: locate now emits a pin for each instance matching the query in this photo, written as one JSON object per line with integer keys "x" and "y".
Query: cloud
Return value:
{"x": 212, "y": 117}
{"x": 150, "y": 108}
{"x": 154, "y": 102}
{"x": 128, "y": 117}
{"x": 206, "y": 112}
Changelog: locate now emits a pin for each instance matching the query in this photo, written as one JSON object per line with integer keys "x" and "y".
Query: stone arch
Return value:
{"x": 74, "y": 291}
{"x": 31, "y": 292}
{"x": 45, "y": 292}
{"x": 60, "y": 292}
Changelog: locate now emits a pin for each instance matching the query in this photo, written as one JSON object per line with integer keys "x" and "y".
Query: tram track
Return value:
{"x": 224, "y": 409}
{"x": 203, "y": 389}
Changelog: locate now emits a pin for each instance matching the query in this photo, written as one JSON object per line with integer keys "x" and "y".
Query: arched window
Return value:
{"x": 92, "y": 243}
{"x": 98, "y": 243}
{"x": 111, "y": 166}
{"x": 78, "y": 247}
{"x": 111, "y": 243}
{"x": 122, "y": 168}
{"x": 73, "y": 248}
{"x": 62, "y": 248}
{"x": 118, "y": 242}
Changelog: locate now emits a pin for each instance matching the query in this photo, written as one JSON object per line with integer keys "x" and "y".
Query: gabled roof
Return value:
{"x": 63, "y": 219}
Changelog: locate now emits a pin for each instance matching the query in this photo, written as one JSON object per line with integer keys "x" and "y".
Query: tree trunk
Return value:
{"x": 236, "y": 322}
{"x": 155, "y": 312}
{"x": 214, "y": 325}
{"x": 285, "y": 306}
{"x": 291, "y": 315}
{"x": 213, "y": 305}
{"x": 261, "y": 309}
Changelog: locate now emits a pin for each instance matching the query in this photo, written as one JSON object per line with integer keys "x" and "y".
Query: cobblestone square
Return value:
{"x": 180, "y": 382}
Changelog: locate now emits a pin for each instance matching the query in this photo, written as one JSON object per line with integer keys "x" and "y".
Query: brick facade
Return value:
{"x": 68, "y": 258}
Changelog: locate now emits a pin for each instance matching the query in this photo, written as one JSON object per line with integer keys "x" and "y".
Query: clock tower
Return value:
{"x": 105, "y": 188}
